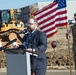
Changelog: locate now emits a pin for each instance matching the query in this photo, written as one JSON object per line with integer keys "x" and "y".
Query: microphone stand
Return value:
{"x": 10, "y": 42}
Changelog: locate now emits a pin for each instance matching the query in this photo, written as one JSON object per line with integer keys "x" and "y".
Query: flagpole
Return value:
{"x": 68, "y": 37}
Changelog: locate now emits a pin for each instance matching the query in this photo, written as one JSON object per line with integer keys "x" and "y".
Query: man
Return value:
{"x": 73, "y": 29}
{"x": 36, "y": 41}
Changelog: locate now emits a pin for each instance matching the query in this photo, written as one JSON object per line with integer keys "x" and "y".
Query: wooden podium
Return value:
{"x": 18, "y": 64}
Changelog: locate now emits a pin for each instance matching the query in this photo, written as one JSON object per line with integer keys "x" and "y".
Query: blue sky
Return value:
{"x": 11, "y": 4}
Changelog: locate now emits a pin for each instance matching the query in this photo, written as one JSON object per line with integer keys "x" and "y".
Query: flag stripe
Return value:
{"x": 51, "y": 34}
{"x": 52, "y": 30}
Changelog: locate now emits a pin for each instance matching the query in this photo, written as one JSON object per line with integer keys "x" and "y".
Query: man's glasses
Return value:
{"x": 30, "y": 23}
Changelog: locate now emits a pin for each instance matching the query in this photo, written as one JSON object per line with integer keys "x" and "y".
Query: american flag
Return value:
{"x": 52, "y": 16}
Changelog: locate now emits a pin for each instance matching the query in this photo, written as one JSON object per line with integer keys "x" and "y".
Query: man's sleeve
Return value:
{"x": 42, "y": 43}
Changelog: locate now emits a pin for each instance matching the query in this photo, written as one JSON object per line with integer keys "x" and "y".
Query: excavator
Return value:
{"x": 10, "y": 23}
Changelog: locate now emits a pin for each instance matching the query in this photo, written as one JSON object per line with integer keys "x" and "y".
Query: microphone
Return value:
{"x": 14, "y": 44}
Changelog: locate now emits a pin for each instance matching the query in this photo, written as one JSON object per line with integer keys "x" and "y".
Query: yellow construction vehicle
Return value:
{"x": 10, "y": 23}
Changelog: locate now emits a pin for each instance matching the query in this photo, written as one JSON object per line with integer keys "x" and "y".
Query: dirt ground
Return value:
{"x": 60, "y": 57}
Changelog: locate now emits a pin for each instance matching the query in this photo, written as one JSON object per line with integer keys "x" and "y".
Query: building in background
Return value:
{"x": 25, "y": 11}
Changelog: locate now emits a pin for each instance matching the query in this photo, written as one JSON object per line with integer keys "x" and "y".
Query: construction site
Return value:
{"x": 13, "y": 21}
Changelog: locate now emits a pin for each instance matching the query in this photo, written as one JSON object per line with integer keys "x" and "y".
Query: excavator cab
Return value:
{"x": 11, "y": 20}
{"x": 5, "y": 16}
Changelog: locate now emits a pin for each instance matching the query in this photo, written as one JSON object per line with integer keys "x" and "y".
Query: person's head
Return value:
{"x": 31, "y": 24}
{"x": 75, "y": 16}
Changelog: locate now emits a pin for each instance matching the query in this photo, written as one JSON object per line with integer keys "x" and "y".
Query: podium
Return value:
{"x": 18, "y": 64}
